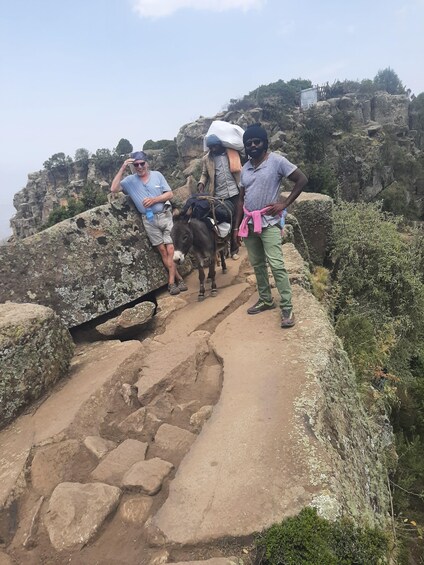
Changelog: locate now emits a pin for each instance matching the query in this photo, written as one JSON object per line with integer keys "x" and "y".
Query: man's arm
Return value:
{"x": 116, "y": 183}
{"x": 147, "y": 202}
{"x": 300, "y": 180}
{"x": 204, "y": 177}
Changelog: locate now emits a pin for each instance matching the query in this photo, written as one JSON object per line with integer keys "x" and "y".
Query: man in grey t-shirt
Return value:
{"x": 260, "y": 207}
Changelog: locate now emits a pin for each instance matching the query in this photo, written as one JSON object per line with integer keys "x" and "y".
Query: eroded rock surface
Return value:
{"x": 314, "y": 213}
{"x": 116, "y": 463}
{"x": 35, "y": 352}
{"x": 77, "y": 511}
{"x": 147, "y": 476}
{"x": 131, "y": 319}
{"x": 286, "y": 429}
{"x": 83, "y": 267}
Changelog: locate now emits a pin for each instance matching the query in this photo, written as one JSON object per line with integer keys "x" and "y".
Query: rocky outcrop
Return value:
{"x": 241, "y": 425}
{"x": 75, "y": 409}
{"x": 101, "y": 260}
{"x": 314, "y": 213}
{"x": 85, "y": 266}
{"x": 390, "y": 109}
{"x": 49, "y": 189}
{"x": 362, "y": 127}
{"x": 35, "y": 352}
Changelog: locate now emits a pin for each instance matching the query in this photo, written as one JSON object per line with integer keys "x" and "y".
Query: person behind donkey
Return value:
{"x": 221, "y": 175}
{"x": 151, "y": 193}
{"x": 258, "y": 218}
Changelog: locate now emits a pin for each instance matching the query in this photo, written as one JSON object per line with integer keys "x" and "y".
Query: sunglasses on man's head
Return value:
{"x": 141, "y": 164}
{"x": 251, "y": 142}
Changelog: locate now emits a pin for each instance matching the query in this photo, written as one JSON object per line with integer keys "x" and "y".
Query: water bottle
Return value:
{"x": 283, "y": 219}
{"x": 149, "y": 214}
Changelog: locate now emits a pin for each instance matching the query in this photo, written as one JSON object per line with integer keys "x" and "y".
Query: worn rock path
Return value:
{"x": 178, "y": 442}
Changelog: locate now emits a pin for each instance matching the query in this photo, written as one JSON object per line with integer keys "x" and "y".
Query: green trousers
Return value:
{"x": 266, "y": 247}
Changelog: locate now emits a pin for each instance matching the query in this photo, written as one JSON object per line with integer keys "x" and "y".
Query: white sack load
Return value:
{"x": 230, "y": 135}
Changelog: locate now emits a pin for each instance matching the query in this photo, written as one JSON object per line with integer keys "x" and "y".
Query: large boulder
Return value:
{"x": 314, "y": 213}
{"x": 35, "y": 351}
{"x": 190, "y": 139}
{"x": 77, "y": 511}
{"x": 85, "y": 266}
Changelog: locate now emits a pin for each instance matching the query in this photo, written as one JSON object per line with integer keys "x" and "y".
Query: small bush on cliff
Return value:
{"x": 73, "y": 208}
{"x": 308, "y": 539}
{"x": 281, "y": 92}
{"x": 160, "y": 144}
{"x": 316, "y": 135}
{"x": 124, "y": 147}
{"x": 388, "y": 80}
{"x": 91, "y": 196}
{"x": 107, "y": 162}
{"x": 58, "y": 161}
{"x": 322, "y": 179}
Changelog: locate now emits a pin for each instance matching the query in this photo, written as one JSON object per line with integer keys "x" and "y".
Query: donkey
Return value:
{"x": 191, "y": 234}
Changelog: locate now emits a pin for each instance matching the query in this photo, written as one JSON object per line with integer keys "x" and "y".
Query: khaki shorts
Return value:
{"x": 159, "y": 229}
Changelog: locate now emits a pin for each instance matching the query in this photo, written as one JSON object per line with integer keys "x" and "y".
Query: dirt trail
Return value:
{"x": 211, "y": 392}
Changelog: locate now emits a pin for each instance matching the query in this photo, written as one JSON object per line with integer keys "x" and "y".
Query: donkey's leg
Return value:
{"x": 212, "y": 275}
{"x": 201, "y": 295}
{"x": 223, "y": 262}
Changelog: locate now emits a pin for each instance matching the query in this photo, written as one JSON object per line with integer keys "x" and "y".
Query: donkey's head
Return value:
{"x": 182, "y": 238}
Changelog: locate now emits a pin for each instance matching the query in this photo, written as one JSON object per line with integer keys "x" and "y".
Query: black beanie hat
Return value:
{"x": 255, "y": 131}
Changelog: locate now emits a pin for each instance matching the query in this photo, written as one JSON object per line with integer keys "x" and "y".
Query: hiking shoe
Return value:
{"x": 173, "y": 289}
{"x": 260, "y": 306}
{"x": 287, "y": 318}
{"x": 182, "y": 285}
{"x": 235, "y": 256}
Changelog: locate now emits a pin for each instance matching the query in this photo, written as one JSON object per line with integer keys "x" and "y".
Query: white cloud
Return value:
{"x": 163, "y": 8}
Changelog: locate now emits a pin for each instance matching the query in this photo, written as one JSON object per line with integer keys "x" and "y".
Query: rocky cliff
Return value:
{"x": 187, "y": 441}
{"x": 358, "y": 147}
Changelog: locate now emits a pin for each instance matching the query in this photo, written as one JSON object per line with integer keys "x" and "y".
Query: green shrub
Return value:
{"x": 160, "y": 144}
{"x": 379, "y": 295}
{"x": 124, "y": 147}
{"x": 57, "y": 215}
{"x": 378, "y": 278}
{"x": 322, "y": 179}
{"x": 316, "y": 134}
{"x": 320, "y": 281}
{"x": 308, "y": 539}
{"x": 281, "y": 92}
{"x": 91, "y": 196}
{"x": 388, "y": 80}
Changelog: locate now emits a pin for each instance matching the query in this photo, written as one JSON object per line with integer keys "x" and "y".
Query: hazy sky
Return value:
{"x": 85, "y": 73}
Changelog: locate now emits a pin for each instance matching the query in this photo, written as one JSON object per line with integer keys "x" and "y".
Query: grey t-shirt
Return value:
{"x": 225, "y": 185}
{"x": 137, "y": 190}
{"x": 262, "y": 185}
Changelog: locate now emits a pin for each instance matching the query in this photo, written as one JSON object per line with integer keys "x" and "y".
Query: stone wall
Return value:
{"x": 85, "y": 266}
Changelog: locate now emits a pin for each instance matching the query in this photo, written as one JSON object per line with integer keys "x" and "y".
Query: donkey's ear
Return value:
{"x": 178, "y": 216}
